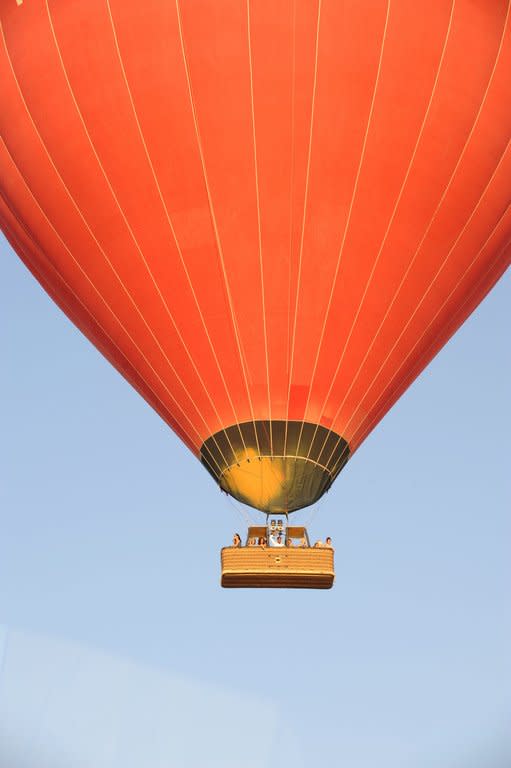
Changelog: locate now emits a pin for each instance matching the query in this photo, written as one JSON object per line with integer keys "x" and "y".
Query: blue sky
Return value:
{"x": 118, "y": 644}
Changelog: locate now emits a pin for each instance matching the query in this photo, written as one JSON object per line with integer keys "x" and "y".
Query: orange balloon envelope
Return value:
{"x": 269, "y": 216}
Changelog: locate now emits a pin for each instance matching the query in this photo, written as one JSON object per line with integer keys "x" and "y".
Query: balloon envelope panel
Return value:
{"x": 264, "y": 215}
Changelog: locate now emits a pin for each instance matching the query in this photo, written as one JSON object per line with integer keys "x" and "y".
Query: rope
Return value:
{"x": 245, "y": 516}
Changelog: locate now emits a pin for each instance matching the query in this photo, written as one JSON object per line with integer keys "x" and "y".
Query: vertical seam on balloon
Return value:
{"x": 161, "y": 409}
{"x": 302, "y": 236}
{"x": 145, "y": 390}
{"x": 65, "y": 246}
{"x": 418, "y": 365}
{"x": 348, "y": 218}
{"x": 129, "y": 228}
{"x": 415, "y": 345}
{"x": 260, "y": 244}
{"x": 398, "y": 290}
{"x": 101, "y": 297}
{"x": 444, "y": 194}
{"x": 458, "y": 311}
{"x": 455, "y": 315}
{"x": 176, "y": 242}
{"x": 291, "y": 217}
{"x": 389, "y": 226}
{"x": 442, "y": 197}
{"x": 417, "y": 251}
{"x": 215, "y": 226}
{"x": 439, "y": 270}
{"x": 82, "y": 217}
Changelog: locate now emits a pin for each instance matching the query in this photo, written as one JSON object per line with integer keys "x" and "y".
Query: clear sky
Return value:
{"x": 118, "y": 647}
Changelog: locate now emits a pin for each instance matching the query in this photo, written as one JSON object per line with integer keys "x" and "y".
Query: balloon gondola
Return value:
{"x": 269, "y": 217}
{"x": 278, "y": 555}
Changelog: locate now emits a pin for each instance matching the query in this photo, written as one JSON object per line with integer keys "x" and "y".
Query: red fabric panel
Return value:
{"x": 259, "y": 210}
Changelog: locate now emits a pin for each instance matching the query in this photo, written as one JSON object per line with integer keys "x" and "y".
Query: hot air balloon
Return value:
{"x": 269, "y": 217}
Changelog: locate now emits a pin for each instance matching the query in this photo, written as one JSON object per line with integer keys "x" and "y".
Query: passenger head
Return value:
{"x": 236, "y": 539}
{"x": 328, "y": 541}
